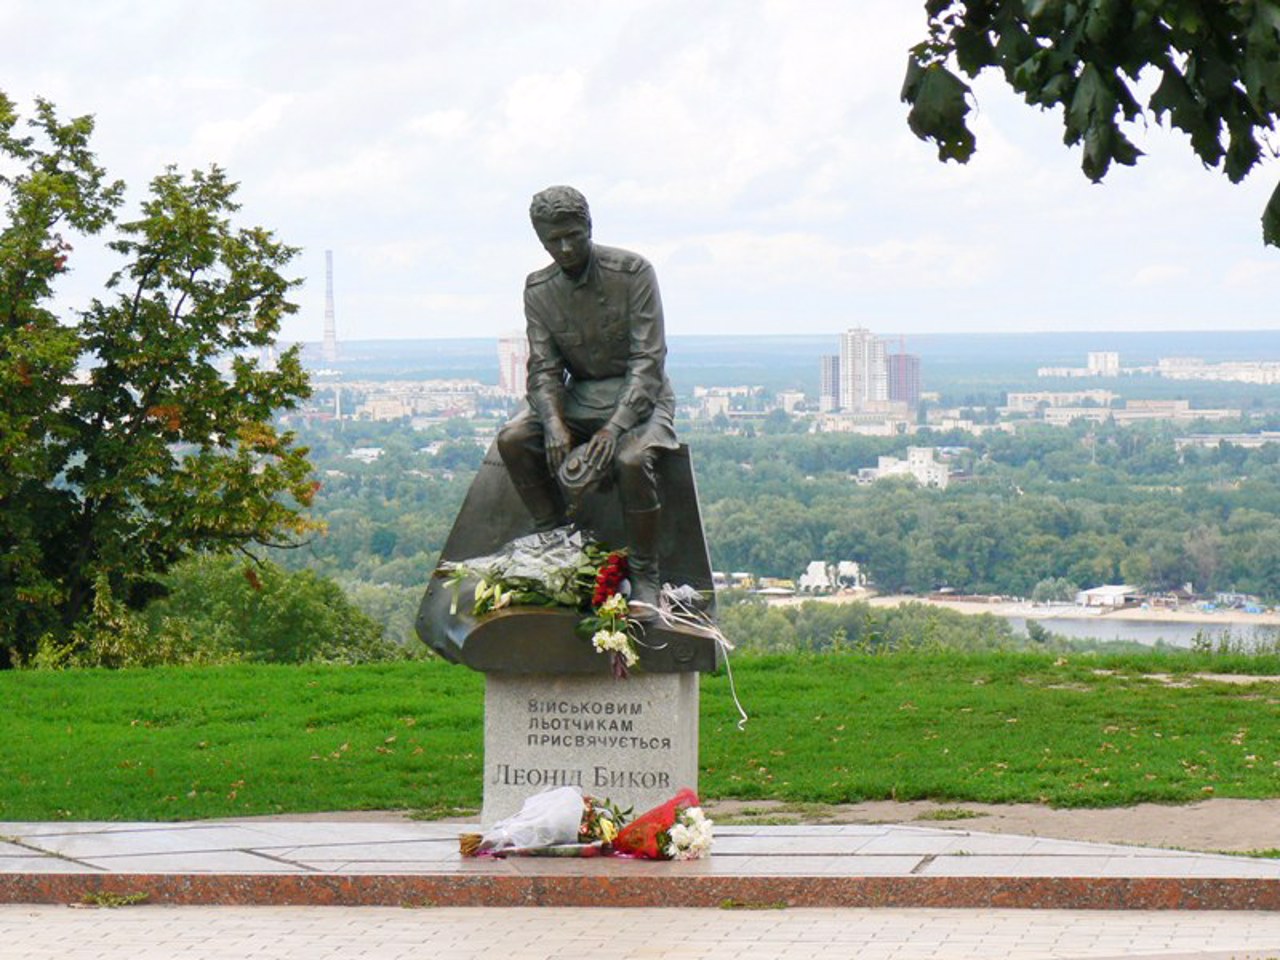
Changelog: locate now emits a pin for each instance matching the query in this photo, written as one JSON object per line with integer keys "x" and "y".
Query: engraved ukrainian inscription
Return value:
{"x": 634, "y": 741}
{"x": 585, "y": 724}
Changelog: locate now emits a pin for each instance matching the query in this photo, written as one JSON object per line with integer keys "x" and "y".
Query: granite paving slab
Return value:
{"x": 348, "y": 862}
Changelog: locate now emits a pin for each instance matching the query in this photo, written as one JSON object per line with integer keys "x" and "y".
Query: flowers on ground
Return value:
{"x": 675, "y": 830}
{"x": 689, "y": 837}
{"x": 601, "y": 821}
{"x": 564, "y": 822}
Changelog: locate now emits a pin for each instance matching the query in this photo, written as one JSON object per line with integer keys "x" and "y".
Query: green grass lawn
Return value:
{"x": 180, "y": 743}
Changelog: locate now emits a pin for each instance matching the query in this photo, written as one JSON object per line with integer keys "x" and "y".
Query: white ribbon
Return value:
{"x": 675, "y": 609}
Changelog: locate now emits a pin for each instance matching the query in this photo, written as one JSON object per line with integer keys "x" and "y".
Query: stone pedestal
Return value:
{"x": 633, "y": 741}
{"x": 554, "y": 714}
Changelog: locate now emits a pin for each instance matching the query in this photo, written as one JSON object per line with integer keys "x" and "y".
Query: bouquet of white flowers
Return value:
{"x": 690, "y": 836}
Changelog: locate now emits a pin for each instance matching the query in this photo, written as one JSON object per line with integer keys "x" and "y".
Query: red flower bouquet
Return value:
{"x": 675, "y": 830}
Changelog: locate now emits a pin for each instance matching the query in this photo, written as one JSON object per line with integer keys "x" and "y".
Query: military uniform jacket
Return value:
{"x": 603, "y": 330}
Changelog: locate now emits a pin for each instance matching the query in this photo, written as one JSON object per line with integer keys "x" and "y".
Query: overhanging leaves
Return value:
{"x": 939, "y": 103}
{"x": 1271, "y": 219}
{"x": 1219, "y": 67}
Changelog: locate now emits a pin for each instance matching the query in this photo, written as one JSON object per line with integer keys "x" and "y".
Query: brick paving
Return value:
{"x": 525, "y": 933}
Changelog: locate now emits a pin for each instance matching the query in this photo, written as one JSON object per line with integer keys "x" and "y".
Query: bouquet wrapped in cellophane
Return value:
{"x": 675, "y": 830}
{"x": 562, "y": 822}
{"x": 557, "y": 568}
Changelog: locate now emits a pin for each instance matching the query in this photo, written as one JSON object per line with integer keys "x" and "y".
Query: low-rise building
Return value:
{"x": 1249, "y": 441}
{"x": 820, "y": 577}
{"x": 920, "y": 464}
{"x": 1034, "y": 401}
{"x": 1138, "y": 411}
{"x": 894, "y": 422}
{"x": 1109, "y": 596}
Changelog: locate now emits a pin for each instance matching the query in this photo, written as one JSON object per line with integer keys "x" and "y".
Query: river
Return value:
{"x": 1175, "y": 633}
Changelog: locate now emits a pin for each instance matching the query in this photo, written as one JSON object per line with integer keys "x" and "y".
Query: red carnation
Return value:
{"x": 609, "y": 579}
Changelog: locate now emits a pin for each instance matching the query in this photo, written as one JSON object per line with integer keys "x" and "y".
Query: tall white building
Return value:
{"x": 513, "y": 363}
{"x": 864, "y": 375}
{"x": 1104, "y": 363}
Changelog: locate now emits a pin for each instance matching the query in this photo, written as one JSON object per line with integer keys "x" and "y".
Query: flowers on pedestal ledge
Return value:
{"x": 560, "y": 568}
{"x": 611, "y": 633}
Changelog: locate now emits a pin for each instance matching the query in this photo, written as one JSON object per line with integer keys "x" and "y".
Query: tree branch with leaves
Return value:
{"x": 1218, "y": 62}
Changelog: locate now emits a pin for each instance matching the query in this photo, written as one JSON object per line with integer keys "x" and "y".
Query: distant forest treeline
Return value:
{"x": 1047, "y": 507}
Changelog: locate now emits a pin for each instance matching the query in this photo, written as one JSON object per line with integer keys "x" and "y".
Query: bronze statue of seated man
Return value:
{"x": 596, "y": 380}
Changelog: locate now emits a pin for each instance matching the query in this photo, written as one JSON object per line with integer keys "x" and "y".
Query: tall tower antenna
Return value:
{"x": 330, "y": 327}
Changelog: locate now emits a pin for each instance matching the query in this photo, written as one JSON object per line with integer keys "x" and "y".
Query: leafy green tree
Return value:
{"x": 1054, "y": 590}
{"x": 776, "y": 421}
{"x": 382, "y": 542}
{"x": 459, "y": 455}
{"x": 259, "y": 612}
{"x": 142, "y": 431}
{"x": 1218, "y": 65}
{"x": 49, "y": 183}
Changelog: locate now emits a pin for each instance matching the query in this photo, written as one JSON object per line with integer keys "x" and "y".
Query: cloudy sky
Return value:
{"x": 755, "y": 150}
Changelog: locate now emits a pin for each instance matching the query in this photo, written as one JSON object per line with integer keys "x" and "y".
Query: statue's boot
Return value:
{"x": 642, "y": 562}
{"x": 542, "y": 499}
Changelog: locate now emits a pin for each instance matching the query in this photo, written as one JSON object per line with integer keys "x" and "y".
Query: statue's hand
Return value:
{"x": 601, "y": 448}
{"x": 558, "y": 442}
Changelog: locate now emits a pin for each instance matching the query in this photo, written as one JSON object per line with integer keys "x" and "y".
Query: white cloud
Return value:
{"x": 1157, "y": 274}
{"x": 449, "y": 125}
{"x": 1253, "y": 274}
{"x": 538, "y": 113}
{"x": 756, "y": 150}
{"x": 225, "y": 140}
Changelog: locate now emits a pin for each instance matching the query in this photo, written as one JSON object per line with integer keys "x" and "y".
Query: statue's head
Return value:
{"x": 562, "y": 221}
{"x": 555, "y": 205}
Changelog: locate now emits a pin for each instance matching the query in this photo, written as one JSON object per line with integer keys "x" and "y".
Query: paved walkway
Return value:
{"x": 342, "y": 889}
{"x": 524, "y": 933}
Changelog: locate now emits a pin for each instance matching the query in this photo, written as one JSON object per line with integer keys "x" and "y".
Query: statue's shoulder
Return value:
{"x": 618, "y": 260}
{"x": 539, "y": 277}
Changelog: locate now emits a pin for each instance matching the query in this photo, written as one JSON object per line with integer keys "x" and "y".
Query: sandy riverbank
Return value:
{"x": 1057, "y": 611}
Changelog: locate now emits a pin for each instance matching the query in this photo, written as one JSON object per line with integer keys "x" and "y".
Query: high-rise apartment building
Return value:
{"x": 513, "y": 363}
{"x": 864, "y": 377}
{"x": 904, "y": 378}
{"x": 829, "y": 383}
{"x": 1104, "y": 363}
